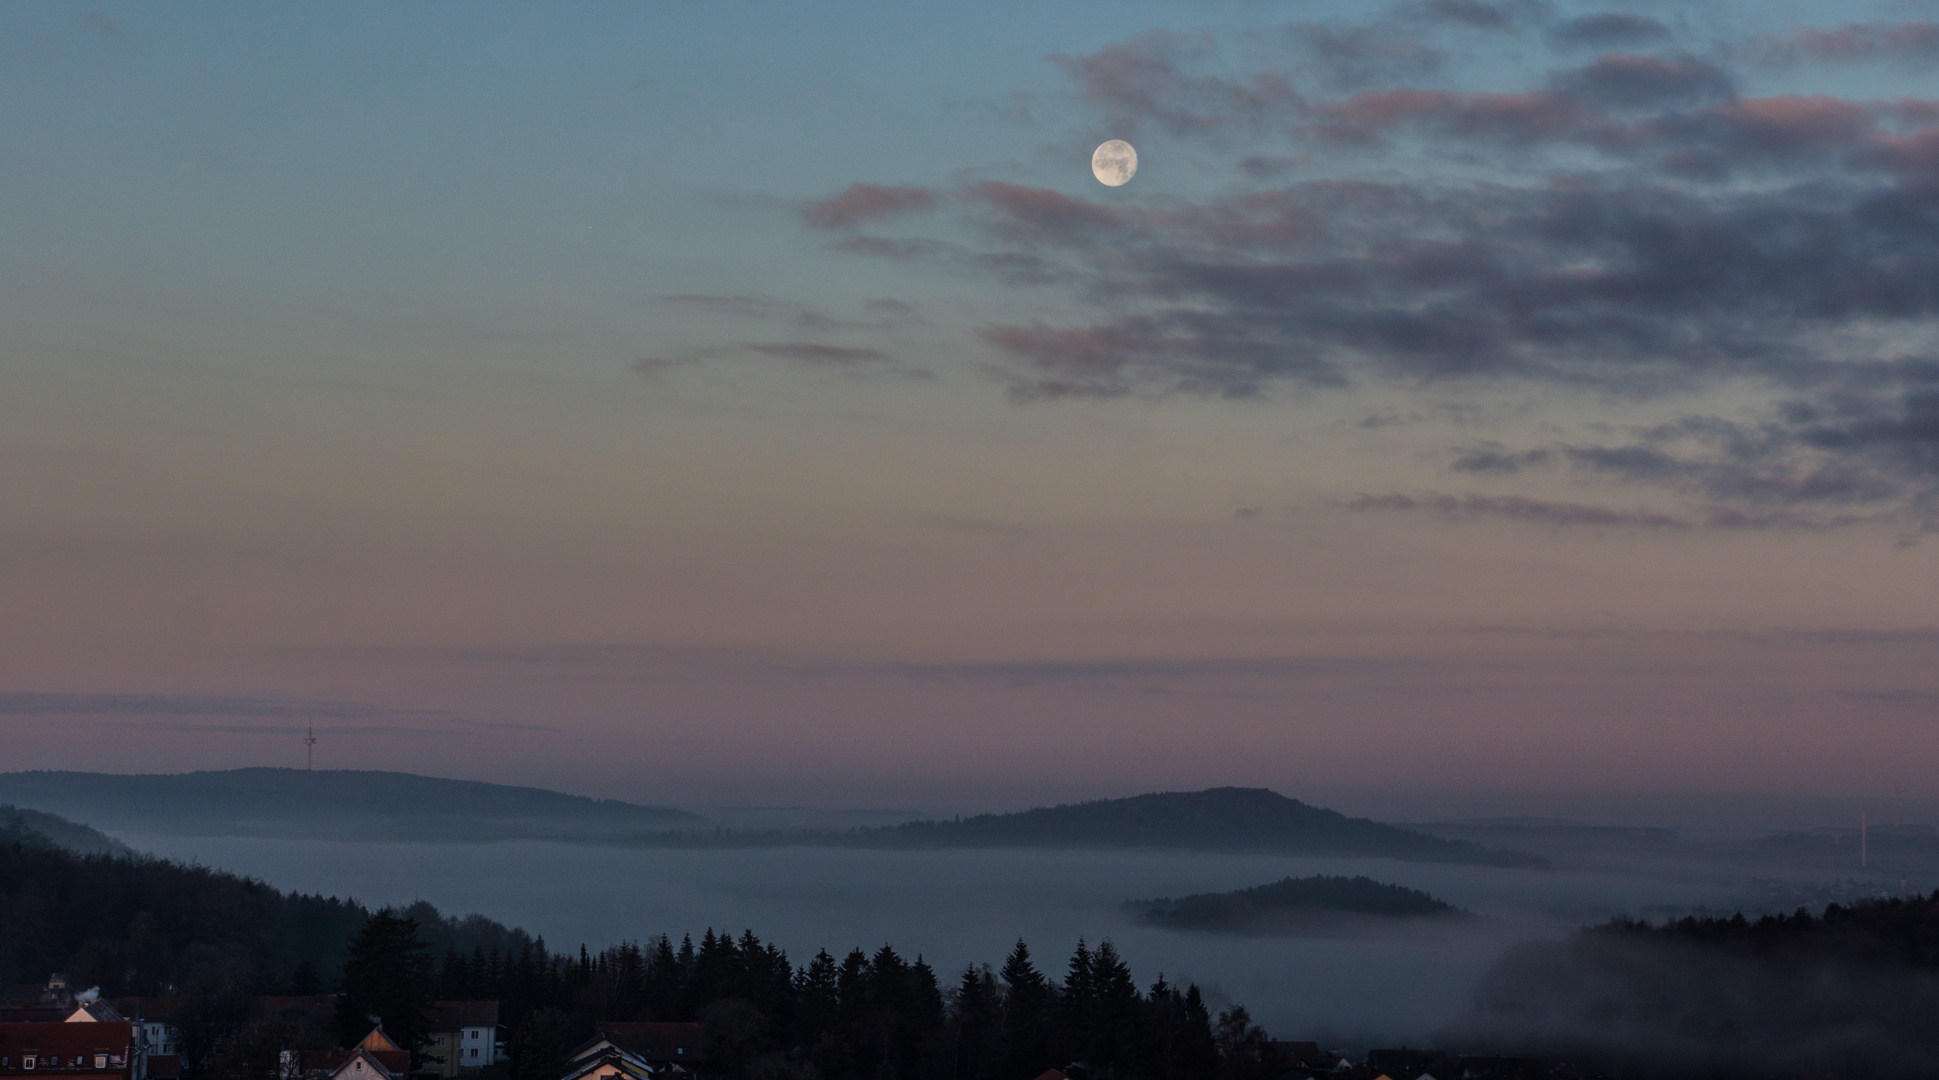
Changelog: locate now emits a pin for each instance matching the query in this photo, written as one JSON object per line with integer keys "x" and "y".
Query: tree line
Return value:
{"x": 138, "y": 925}
{"x": 878, "y": 1016}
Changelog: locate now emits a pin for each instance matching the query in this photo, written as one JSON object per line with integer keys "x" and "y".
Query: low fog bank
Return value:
{"x": 1359, "y": 985}
{"x": 1784, "y": 997}
{"x": 1354, "y": 983}
{"x": 1694, "y": 816}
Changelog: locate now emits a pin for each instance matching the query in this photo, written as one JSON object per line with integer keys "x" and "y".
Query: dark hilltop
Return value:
{"x": 1217, "y": 819}
{"x": 333, "y": 804}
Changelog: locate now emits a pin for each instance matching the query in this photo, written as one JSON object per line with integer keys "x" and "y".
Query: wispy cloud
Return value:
{"x": 1914, "y": 43}
{"x": 16, "y": 703}
{"x": 1521, "y": 509}
{"x": 865, "y": 202}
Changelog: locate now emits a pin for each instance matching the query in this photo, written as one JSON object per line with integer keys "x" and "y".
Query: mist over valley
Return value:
{"x": 1359, "y": 980}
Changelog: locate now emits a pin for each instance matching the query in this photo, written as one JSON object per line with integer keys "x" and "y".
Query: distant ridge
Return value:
{"x": 333, "y": 804}
{"x": 1217, "y": 819}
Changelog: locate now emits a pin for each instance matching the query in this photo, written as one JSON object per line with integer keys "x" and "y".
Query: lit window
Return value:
{"x": 100, "y": 1061}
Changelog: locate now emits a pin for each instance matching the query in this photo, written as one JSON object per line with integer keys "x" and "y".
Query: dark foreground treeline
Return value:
{"x": 146, "y": 926}
{"x": 882, "y": 1015}
{"x": 1853, "y": 993}
{"x": 134, "y": 924}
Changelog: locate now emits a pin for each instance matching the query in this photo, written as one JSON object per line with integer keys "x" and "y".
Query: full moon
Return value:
{"x": 1114, "y": 163}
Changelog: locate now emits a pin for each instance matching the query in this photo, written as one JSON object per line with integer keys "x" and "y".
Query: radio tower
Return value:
{"x": 309, "y": 749}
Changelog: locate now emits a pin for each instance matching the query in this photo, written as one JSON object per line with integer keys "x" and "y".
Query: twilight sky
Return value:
{"x": 729, "y": 404}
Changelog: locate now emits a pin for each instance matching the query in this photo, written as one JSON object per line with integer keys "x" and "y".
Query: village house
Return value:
{"x": 102, "y": 1049}
{"x": 463, "y": 1038}
{"x": 374, "y": 1058}
{"x": 634, "y": 1051}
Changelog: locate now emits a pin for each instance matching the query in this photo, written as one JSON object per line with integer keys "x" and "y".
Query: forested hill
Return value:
{"x": 132, "y": 924}
{"x": 1218, "y": 819}
{"x": 1851, "y": 992}
{"x": 34, "y": 828}
{"x": 340, "y": 804}
{"x": 1290, "y": 905}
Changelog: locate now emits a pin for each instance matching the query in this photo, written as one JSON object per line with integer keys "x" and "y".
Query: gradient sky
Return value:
{"x": 731, "y": 404}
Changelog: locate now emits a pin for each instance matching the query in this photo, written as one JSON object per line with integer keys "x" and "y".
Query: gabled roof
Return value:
{"x": 609, "y": 1060}
{"x": 654, "y": 1042}
{"x": 455, "y": 1015}
{"x": 361, "y": 1064}
{"x": 376, "y": 1049}
{"x": 377, "y": 1040}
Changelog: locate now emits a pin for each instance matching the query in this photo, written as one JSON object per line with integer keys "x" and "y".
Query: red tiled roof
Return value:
{"x": 454, "y": 1015}
{"x": 1052, "y": 1074}
{"x": 69, "y": 1048}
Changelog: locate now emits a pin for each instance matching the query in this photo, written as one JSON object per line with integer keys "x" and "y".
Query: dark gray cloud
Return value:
{"x": 1477, "y": 14}
{"x": 810, "y": 352}
{"x": 1607, "y": 29}
{"x": 1151, "y": 79}
{"x": 1627, "y": 80}
{"x": 1350, "y": 57}
{"x": 1522, "y": 510}
{"x": 1915, "y": 43}
{"x": 1493, "y": 459}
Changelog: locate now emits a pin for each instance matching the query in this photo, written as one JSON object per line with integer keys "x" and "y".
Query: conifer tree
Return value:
{"x": 386, "y": 974}
{"x": 1026, "y": 1045}
{"x": 665, "y": 982}
{"x": 818, "y": 999}
{"x": 451, "y": 975}
{"x": 304, "y": 981}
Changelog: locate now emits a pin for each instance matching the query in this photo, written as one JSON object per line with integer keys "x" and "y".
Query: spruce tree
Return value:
{"x": 818, "y": 999}
{"x": 1026, "y": 1043}
{"x": 387, "y": 974}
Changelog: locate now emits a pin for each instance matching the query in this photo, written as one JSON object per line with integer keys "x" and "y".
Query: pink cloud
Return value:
{"x": 864, "y": 202}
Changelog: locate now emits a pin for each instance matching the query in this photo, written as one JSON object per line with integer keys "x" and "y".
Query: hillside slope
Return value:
{"x": 1289, "y": 905}
{"x": 36, "y": 829}
{"x": 333, "y": 804}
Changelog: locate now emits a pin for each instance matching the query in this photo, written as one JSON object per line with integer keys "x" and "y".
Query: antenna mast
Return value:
{"x": 309, "y": 749}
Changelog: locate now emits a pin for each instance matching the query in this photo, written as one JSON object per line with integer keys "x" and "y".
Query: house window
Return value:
{"x": 27, "y": 1062}
{"x": 100, "y": 1061}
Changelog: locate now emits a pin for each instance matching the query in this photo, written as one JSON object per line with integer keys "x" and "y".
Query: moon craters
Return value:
{"x": 1114, "y": 163}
